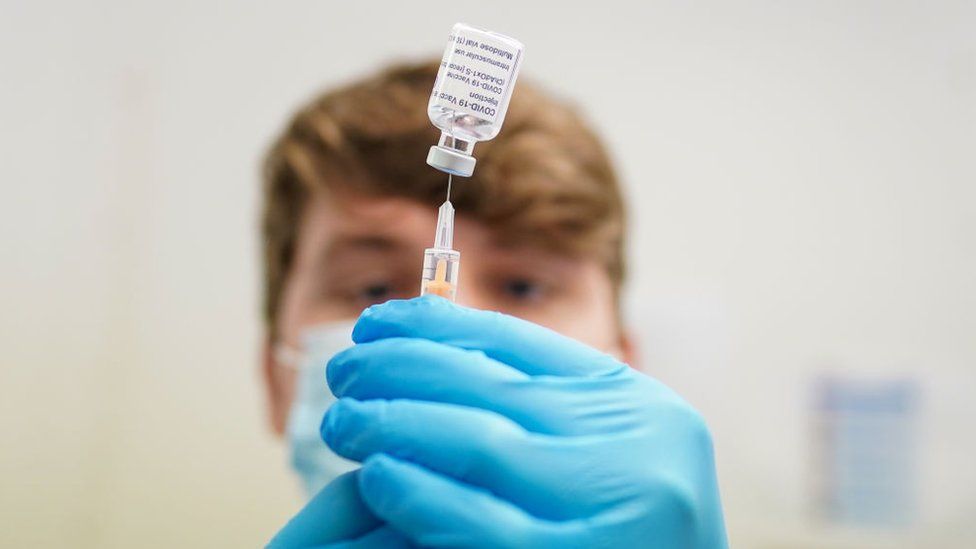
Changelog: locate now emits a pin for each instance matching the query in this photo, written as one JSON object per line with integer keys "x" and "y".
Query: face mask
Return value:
{"x": 314, "y": 462}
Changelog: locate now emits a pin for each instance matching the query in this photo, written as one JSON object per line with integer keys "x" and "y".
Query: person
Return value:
{"x": 510, "y": 419}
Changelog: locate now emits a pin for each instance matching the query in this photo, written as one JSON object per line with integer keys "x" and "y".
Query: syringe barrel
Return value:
{"x": 440, "y": 275}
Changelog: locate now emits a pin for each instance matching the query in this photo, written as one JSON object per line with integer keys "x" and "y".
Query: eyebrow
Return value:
{"x": 349, "y": 244}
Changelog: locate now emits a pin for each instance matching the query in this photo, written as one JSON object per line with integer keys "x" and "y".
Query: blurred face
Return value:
{"x": 355, "y": 251}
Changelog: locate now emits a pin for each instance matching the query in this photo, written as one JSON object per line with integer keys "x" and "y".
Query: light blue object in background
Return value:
{"x": 867, "y": 451}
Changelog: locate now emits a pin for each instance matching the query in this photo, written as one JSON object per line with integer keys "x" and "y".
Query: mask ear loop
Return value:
{"x": 288, "y": 356}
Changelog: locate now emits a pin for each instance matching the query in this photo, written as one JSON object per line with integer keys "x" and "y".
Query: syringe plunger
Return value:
{"x": 440, "y": 274}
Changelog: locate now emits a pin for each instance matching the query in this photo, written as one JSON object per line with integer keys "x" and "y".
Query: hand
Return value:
{"x": 477, "y": 429}
{"x": 337, "y": 518}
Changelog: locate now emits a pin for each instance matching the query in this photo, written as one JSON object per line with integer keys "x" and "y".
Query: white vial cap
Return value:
{"x": 451, "y": 161}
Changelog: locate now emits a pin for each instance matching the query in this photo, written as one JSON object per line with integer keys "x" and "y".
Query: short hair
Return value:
{"x": 544, "y": 180}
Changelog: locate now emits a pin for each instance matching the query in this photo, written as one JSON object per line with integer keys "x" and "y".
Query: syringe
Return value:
{"x": 462, "y": 124}
{"x": 442, "y": 262}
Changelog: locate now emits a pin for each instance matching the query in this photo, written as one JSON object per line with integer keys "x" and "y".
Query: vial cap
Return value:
{"x": 450, "y": 161}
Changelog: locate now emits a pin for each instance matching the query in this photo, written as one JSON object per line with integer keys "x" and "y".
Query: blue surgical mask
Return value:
{"x": 315, "y": 463}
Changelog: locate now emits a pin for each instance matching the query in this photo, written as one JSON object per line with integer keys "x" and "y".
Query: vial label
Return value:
{"x": 477, "y": 73}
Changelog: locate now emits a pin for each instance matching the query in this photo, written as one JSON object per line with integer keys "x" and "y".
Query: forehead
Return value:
{"x": 333, "y": 223}
{"x": 358, "y": 214}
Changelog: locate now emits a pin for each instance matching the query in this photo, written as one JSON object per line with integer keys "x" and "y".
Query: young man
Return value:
{"x": 474, "y": 428}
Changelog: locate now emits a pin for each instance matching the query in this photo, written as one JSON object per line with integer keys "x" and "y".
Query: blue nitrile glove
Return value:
{"x": 481, "y": 430}
{"x": 336, "y": 518}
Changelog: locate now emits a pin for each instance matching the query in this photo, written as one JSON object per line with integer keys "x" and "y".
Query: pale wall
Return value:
{"x": 801, "y": 178}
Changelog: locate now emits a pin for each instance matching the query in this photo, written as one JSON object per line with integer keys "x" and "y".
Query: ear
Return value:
{"x": 277, "y": 401}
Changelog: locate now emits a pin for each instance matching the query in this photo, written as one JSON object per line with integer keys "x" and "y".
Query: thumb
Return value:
{"x": 436, "y": 511}
{"x": 336, "y": 513}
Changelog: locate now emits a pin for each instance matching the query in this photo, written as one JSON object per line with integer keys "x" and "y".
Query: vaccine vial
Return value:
{"x": 471, "y": 94}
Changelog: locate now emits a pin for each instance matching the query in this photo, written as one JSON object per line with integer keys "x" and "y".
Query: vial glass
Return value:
{"x": 471, "y": 93}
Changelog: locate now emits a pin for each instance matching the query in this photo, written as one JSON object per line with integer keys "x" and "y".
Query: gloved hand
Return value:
{"x": 477, "y": 429}
{"x": 337, "y": 518}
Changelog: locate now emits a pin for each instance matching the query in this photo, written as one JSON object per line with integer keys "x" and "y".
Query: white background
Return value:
{"x": 801, "y": 177}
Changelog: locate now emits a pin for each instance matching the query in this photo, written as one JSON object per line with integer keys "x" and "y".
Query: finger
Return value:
{"x": 528, "y": 347}
{"x": 474, "y": 446}
{"x": 419, "y": 362}
{"x": 419, "y": 369}
{"x": 434, "y": 511}
{"x": 383, "y": 537}
{"x": 336, "y": 513}
{"x": 477, "y": 447}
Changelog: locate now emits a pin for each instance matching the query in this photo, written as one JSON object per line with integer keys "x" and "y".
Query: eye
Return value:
{"x": 376, "y": 292}
{"x": 522, "y": 289}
